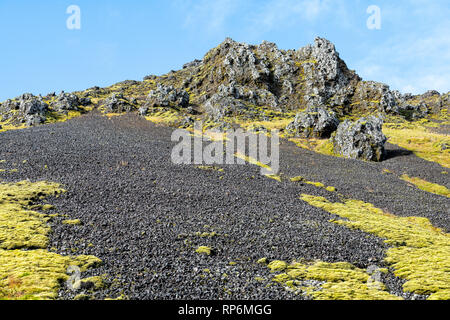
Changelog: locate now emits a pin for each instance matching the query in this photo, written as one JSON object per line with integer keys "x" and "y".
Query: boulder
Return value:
{"x": 413, "y": 112}
{"x": 29, "y": 109}
{"x": 220, "y": 106}
{"x": 316, "y": 122}
{"x": 32, "y": 105}
{"x": 167, "y": 96}
{"x": 362, "y": 139}
{"x": 10, "y": 105}
{"x": 324, "y": 72}
{"x": 66, "y": 102}
{"x": 117, "y": 103}
{"x": 34, "y": 119}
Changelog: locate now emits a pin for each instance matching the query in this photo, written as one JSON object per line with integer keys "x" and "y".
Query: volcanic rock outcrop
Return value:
{"x": 314, "y": 122}
{"x": 237, "y": 82}
{"x": 362, "y": 139}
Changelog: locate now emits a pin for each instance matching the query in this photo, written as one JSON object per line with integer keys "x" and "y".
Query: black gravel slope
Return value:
{"x": 141, "y": 212}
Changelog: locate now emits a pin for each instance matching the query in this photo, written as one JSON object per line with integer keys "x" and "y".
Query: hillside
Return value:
{"x": 357, "y": 210}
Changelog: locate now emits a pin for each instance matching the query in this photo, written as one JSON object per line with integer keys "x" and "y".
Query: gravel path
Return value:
{"x": 141, "y": 213}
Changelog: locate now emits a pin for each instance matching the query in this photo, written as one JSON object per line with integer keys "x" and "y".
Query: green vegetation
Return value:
{"x": 420, "y": 253}
{"x": 427, "y": 186}
{"x": 334, "y": 281}
{"x": 416, "y": 137}
{"x": 34, "y": 272}
{"x": 211, "y": 168}
{"x": 316, "y": 184}
{"x": 75, "y": 222}
{"x": 322, "y": 146}
{"x": 204, "y": 250}
{"x": 170, "y": 117}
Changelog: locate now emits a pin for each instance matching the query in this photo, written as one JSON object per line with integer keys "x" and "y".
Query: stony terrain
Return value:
{"x": 166, "y": 231}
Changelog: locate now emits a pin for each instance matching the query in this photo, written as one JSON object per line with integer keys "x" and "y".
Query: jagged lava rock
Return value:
{"x": 30, "y": 109}
{"x": 362, "y": 139}
{"x": 66, "y": 102}
{"x": 315, "y": 122}
{"x": 165, "y": 97}
{"x": 117, "y": 103}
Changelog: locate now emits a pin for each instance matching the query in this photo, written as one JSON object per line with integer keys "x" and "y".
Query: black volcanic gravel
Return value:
{"x": 140, "y": 212}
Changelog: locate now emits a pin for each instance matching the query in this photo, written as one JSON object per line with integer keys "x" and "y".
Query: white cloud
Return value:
{"x": 278, "y": 13}
{"x": 411, "y": 63}
{"x": 210, "y": 16}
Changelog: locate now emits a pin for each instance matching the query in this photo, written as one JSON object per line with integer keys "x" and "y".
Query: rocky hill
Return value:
{"x": 237, "y": 83}
{"x": 100, "y": 192}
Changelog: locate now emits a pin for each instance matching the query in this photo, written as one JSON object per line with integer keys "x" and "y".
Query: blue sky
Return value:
{"x": 121, "y": 40}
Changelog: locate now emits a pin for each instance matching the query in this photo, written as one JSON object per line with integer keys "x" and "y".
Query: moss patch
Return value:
{"x": 316, "y": 184}
{"x": 321, "y": 146}
{"x": 204, "y": 250}
{"x": 170, "y": 117}
{"x": 36, "y": 274}
{"x": 416, "y": 138}
{"x": 19, "y": 226}
{"x": 420, "y": 252}
{"x": 331, "y": 281}
{"x": 75, "y": 222}
{"x": 427, "y": 186}
{"x": 253, "y": 161}
{"x": 211, "y": 168}
{"x": 32, "y": 273}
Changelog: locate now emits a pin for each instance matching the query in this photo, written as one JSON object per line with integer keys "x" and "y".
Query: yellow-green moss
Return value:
{"x": 297, "y": 179}
{"x": 53, "y": 117}
{"x": 316, "y": 184}
{"x": 204, "y": 250}
{"x": 275, "y": 177}
{"x": 165, "y": 117}
{"x": 94, "y": 283}
{"x": 36, "y": 274}
{"x": 427, "y": 186}
{"x": 277, "y": 265}
{"x": 262, "y": 261}
{"x": 420, "y": 252}
{"x": 416, "y": 138}
{"x": 206, "y": 234}
{"x": 317, "y": 145}
{"x": 338, "y": 281}
{"x": 30, "y": 274}
{"x": 253, "y": 161}
{"x": 21, "y": 227}
{"x": 75, "y": 222}
{"x": 211, "y": 168}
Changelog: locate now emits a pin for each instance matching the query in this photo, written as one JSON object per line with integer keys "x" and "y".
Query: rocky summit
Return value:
{"x": 356, "y": 208}
{"x": 245, "y": 83}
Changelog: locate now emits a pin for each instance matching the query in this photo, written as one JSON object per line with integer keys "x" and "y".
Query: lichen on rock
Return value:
{"x": 362, "y": 139}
